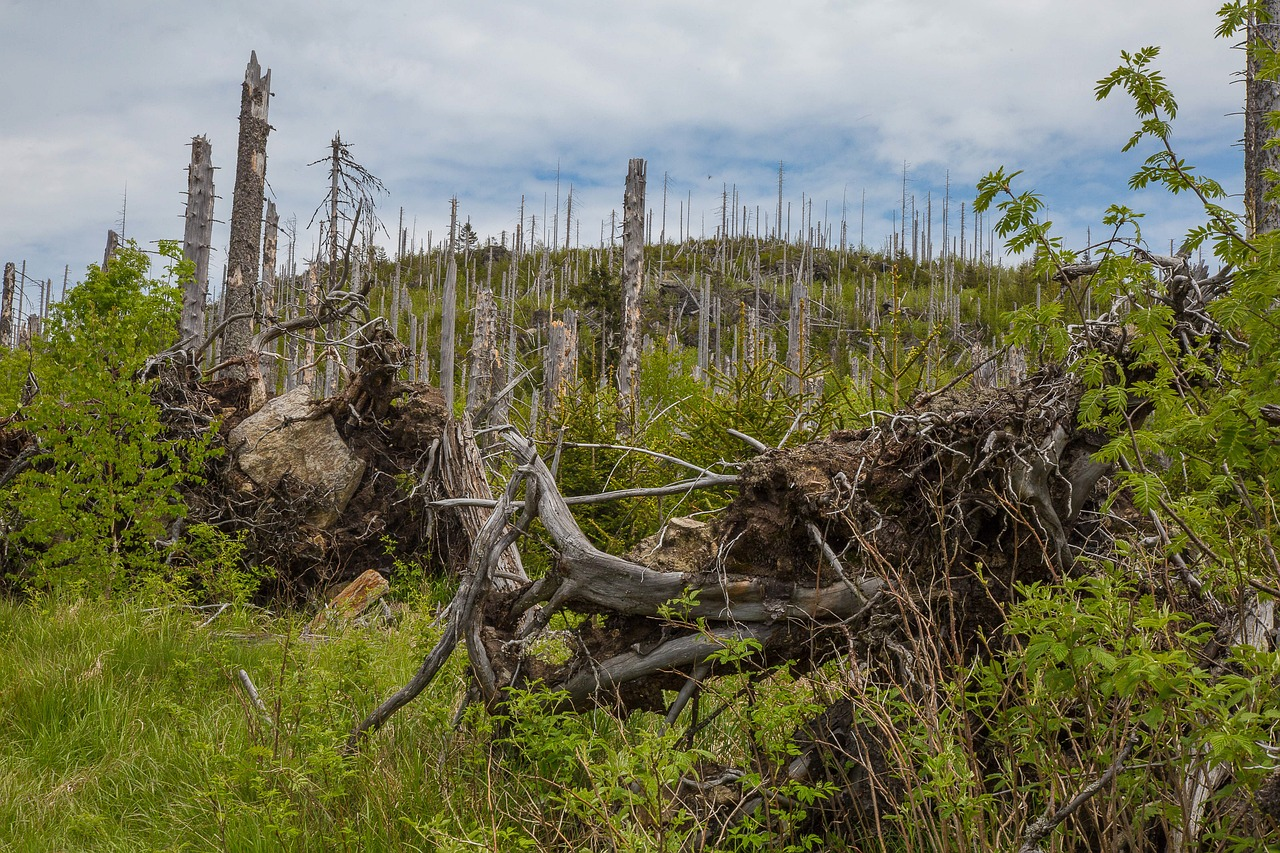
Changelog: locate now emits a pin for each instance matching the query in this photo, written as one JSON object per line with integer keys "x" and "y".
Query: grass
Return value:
{"x": 123, "y": 729}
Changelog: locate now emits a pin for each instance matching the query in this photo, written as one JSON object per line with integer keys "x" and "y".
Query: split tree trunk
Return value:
{"x": 246, "y": 213}
{"x": 197, "y": 240}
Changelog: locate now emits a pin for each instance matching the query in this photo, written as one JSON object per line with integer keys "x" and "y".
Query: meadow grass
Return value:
{"x": 125, "y": 728}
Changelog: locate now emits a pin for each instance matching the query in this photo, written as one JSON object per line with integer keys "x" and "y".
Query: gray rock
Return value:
{"x": 286, "y": 437}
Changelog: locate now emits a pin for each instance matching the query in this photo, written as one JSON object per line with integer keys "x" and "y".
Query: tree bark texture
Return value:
{"x": 485, "y": 360}
{"x": 449, "y": 310}
{"x": 246, "y": 211}
{"x": 6, "y": 304}
{"x": 632, "y": 279}
{"x": 197, "y": 240}
{"x": 1262, "y": 98}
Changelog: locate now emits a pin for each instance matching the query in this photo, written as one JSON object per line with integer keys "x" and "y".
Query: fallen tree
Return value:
{"x": 895, "y": 550}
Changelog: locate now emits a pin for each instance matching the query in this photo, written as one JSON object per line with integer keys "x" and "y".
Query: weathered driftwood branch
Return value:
{"x": 463, "y": 478}
{"x": 711, "y": 481}
{"x": 492, "y": 540}
{"x": 252, "y": 692}
{"x": 1040, "y": 828}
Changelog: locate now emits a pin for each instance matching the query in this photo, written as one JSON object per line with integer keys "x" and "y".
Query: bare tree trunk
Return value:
{"x": 246, "y": 209}
{"x": 462, "y": 476}
{"x": 6, "y": 305}
{"x": 484, "y": 352}
{"x": 270, "y": 244}
{"x": 270, "y": 239}
{"x": 796, "y": 343}
{"x": 561, "y": 362}
{"x": 449, "y": 311}
{"x": 632, "y": 280}
{"x": 307, "y": 370}
{"x": 197, "y": 240}
{"x": 704, "y": 329}
{"x": 395, "y": 278}
{"x": 1262, "y": 99}
{"x": 113, "y": 243}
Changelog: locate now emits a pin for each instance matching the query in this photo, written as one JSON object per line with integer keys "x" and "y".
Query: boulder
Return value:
{"x": 290, "y": 437}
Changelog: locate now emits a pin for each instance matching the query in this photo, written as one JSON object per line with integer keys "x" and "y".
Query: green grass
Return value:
{"x": 125, "y": 728}
{"x": 122, "y": 729}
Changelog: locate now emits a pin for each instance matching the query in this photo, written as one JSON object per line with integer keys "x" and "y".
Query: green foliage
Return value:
{"x": 95, "y": 512}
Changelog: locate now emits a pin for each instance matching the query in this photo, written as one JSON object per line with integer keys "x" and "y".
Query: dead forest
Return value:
{"x": 656, "y": 465}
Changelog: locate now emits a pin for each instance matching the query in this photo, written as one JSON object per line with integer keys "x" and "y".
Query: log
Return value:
{"x": 354, "y": 598}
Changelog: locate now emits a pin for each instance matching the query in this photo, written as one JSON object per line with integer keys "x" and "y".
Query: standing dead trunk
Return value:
{"x": 267, "y": 366}
{"x": 449, "y": 311}
{"x": 307, "y": 370}
{"x": 246, "y": 210}
{"x": 796, "y": 343}
{"x": 632, "y": 280}
{"x": 561, "y": 362}
{"x": 704, "y": 329}
{"x": 6, "y": 304}
{"x": 395, "y": 278}
{"x": 484, "y": 352}
{"x": 1262, "y": 99}
{"x": 196, "y": 240}
{"x": 113, "y": 243}
{"x": 270, "y": 242}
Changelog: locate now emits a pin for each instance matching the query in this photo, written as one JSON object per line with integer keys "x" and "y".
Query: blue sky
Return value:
{"x": 484, "y": 99}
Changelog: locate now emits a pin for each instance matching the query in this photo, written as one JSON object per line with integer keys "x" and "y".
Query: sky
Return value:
{"x": 489, "y": 100}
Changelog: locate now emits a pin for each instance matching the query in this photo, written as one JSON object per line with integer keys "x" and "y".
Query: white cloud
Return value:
{"x": 482, "y": 99}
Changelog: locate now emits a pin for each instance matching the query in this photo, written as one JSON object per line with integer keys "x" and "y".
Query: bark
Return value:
{"x": 485, "y": 361}
{"x": 246, "y": 213}
{"x": 6, "y": 304}
{"x": 197, "y": 240}
{"x": 1262, "y": 99}
{"x": 267, "y": 359}
{"x": 113, "y": 243}
{"x": 560, "y": 362}
{"x": 632, "y": 279}
{"x": 462, "y": 475}
{"x": 449, "y": 310}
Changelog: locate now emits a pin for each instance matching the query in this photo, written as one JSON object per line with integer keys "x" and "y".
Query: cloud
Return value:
{"x": 484, "y": 99}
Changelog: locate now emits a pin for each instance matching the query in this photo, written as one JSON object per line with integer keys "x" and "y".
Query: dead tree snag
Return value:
{"x": 197, "y": 239}
{"x": 246, "y": 215}
{"x": 632, "y": 279}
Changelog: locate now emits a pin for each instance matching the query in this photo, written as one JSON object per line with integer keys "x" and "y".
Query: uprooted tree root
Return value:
{"x": 396, "y": 428}
{"x": 882, "y": 545}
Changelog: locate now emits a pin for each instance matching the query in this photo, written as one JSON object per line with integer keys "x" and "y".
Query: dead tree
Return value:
{"x": 267, "y": 361}
{"x": 632, "y": 280}
{"x": 6, "y": 304}
{"x": 560, "y": 361}
{"x": 113, "y": 243}
{"x": 197, "y": 240}
{"x": 1262, "y": 100}
{"x": 484, "y": 359}
{"x": 897, "y": 546}
{"x": 449, "y": 310}
{"x": 246, "y": 217}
